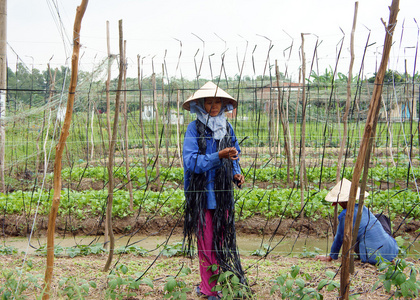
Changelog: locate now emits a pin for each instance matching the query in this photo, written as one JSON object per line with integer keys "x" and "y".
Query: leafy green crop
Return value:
{"x": 402, "y": 276}
{"x": 248, "y": 202}
{"x": 291, "y": 286}
{"x": 266, "y": 174}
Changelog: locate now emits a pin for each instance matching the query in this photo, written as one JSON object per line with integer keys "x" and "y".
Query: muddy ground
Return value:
{"x": 18, "y": 225}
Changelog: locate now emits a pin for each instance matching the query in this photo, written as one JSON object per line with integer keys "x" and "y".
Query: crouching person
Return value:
{"x": 374, "y": 237}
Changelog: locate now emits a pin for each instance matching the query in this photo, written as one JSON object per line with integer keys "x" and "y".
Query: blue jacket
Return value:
{"x": 373, "y": 239}
{"x": 204, "y": 163}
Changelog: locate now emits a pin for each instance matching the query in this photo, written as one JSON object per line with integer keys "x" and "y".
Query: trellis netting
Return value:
{"x": 281, "y": 207}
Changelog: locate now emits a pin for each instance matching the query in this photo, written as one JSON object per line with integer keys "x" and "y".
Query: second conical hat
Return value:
{"x": 341, "y": 192}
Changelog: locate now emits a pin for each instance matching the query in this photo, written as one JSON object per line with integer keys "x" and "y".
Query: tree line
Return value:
{"x": 31, "y": 87}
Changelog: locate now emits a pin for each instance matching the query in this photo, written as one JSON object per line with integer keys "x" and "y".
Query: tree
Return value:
{"x": 390, "y": 77}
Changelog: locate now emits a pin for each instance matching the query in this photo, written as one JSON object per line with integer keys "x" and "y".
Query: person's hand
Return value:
{"x": 323, "y": 258}
{"x": 229, "y": 153}
{"x": 239, "y": 178}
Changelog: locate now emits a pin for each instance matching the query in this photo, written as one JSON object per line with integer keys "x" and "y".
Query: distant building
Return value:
{"x": 61, "y": 113}
{"x": 231, "y": 114}
{"x": 173, "y": 118}
{"x": 402, "y": 112}
{"x": 148, "y": 113}
{"x": 270, "y": 92}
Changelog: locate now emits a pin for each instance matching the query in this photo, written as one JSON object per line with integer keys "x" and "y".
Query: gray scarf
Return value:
{"x": 217, "y": 124}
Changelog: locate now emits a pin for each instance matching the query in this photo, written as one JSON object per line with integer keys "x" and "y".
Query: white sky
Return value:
{"x": 155, "y": 27}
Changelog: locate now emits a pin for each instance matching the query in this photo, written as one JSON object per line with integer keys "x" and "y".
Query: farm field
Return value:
{"x": 92, "y": 200}
{"x": 267, "y": 210}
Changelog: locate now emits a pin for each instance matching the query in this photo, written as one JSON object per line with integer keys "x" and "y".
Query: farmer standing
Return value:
{"x": 211, "y": 165}
{"x": 374, "y": 236}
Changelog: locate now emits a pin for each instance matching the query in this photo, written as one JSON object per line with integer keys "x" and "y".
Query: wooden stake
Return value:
{"x": 284, "y": 124}
{"x": 348, "y": 99}
{"x": 178, "y": 134}
{"x": 127, "y": 159}
{"x": 60, "y": 148}
{"x": 92, "y": 148}
{"x": 367, "y": 135}
{"x": 294, "y": 128}
{"x": 41, "y": 131}
{"x": 156, "y": 128}
{"x": 3, "y": 88}
{"x": 302, "y": 133}
{"x": 167, "y": 116}
{"x": 107, "y": 84}
{"x": 346, "y": 113}
{"x": 111, "y": 154}
{"x": 108, "y": 116}
{"x": 143, "y": 141}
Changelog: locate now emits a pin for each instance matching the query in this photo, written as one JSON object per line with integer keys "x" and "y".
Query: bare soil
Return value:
{"x": 18, "y": 225}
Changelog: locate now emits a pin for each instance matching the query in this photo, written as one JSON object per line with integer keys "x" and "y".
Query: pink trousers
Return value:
{"x": 206, "y": 255}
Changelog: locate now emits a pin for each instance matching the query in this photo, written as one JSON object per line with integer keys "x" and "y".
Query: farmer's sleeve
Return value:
{"x": 193, "y": 161}
{"x": 338, "y": 239}
{"x": 236, "y": 167}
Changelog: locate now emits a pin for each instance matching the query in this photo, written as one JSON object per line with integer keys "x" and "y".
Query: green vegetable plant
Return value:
{"x": 78, "y": 250}
{"x": 329, "y": 282}
{"x": 261, "y": 252}
{"x": 15, "y": 283}
{"x": 120, "y": 286}
{"x": 399, "y": 279}
{"x": 133, "y": 249}
{"x": 173, "y": 250}
{"x": 175, "y": 287}
{"x": 75, "y": 289}
{"x": 229, "y": 285}
{"x": 292, "y": 286}
{"x": 306, "y": 253}
{"x": 8, "y": 250}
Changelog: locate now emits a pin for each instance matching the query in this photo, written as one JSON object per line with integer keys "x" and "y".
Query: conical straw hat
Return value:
{"x": 341, "y": 192}
{"x": 209, "y": 90}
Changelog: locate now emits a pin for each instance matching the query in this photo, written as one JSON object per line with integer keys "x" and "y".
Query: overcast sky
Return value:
{"x": 40, "y": 31}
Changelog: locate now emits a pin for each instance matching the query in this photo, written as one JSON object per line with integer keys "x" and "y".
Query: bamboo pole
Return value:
{"x": 302, "y": 133}
{"x": 156, "y": 128}
{"x": 139, "y": 78}
{"x": 348, "y": 99}
{"x": 92, "y": 148}
{"x": 111, "y": 157}
{"x": 60, "y": 148}
{"x": 294, "y": 127}
{"x": 289, "y": 136}
{"x": 108, "y": 111}
{"x": 271, "y": 132}
{"x": 108, "y": 82}
{"x": 178, "y": 134}
{"x": 51, "y": 88}
{"x": 343, "y": 141}
{"x": 367, "y": 135}
{"x": 127, "y": 159}
{"x": 362, "y": 192}
{"x": 284, "y": 125}
{"x": 277, "y": 134}
{"x": 167, "y": 116}
{"x": 3, "y": 88}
